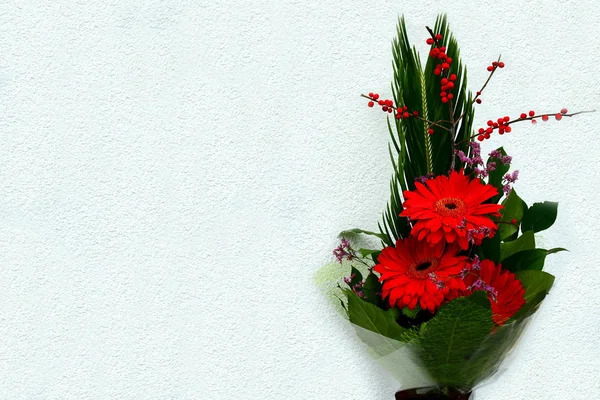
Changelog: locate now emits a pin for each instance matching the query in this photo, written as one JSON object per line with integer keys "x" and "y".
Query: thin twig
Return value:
{"x": 528, "y": 119}
{"x": 431, "y": 123}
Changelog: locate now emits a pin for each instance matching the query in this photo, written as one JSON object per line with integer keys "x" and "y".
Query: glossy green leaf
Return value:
{"x": 371, "y": 288}
{"x": 495, "y": 176}
{"x": 364, "y": 253}
{"x": 556, "y": 250}
{"x": 355, "y": 277}
{"x": 361, "y": 231}
{"x": 524, "y": 242}
{"x": 490, "y": 249}
{"x": 537, "y": 285}
{"x": 539, "y": 216}
{"x": 514, "y": 208}
{"x": 526, "y": 259}
{"x": 373, "y": 318}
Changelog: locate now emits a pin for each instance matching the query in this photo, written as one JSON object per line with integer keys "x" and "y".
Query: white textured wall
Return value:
{"x": 174, "y": 172}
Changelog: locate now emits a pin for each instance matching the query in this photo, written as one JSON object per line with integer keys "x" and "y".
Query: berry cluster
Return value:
{"x": 503, "y": 124}
{"x": 388, "y": 106}
{"x": 442, "y": 68}
{"x": 495, "y": 64}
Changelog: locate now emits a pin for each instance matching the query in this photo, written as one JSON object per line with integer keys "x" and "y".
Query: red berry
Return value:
{"x": 450, "y": 96}
{"x": 437, "y": 71}
{"x": 490, "y": 122}
{"x": 478, "y": 101}
{"x": 523, "y": 115}
{"x": 481, "y": 130}
{"x": 444, "y": 81}
{"x": 501, "y": 130}
{"x": 430, "y": 131}
{"x": 533, "y": 121}
{"x": 416, "y": 113}
{"x": 558, "y": 117}
{"x": 495, "y": 124}
{"x": 375, "y": 96}
{"x": 489, "y": 130}
{"x": 443, "y": 48}
{"x": 501, "y": 64}
{"x": 371, "y": 104}
{"x": 406, "y": 114}
{"x": 513, "y": 221}
{"x": 564, "y": 111}
{"x": 545, "y": 118}
{"x": 478, "y": 93}
{"x": 494, "y": 64}
{"x": 450, "y": 85}
{"x": 480, "y": 138}
{"x": 381, "y": 103}
{"x": 500, "y": 121}
{"x": 384, "y": 108}
{"x": 531, "y": 113}
{"x": 438, "y": 37}
{"x": 429, "y": 41}
{"x": 370, "y": 94}
{"x": 398, "y": 116}
{"x": 405, "y": 108}
{"x": 490, "y": 68}
{"x": 444, "y": 100}
{"x": 453, "y": 77}
{"x": 445, "y": 65}
{"x": 449, "y": 60}
{"x": 506, "y": 119}
{"x": 507, "y": 129}
{"x": 487, "y": 135}
{"x": 443, "y": 94}
{"x": 390, "y": 110}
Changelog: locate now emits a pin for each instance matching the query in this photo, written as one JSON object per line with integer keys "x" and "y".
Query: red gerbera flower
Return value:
{"x": 505, "y": 291}
{"x": 415, "y": 272}
{"x": 451, "y": 208}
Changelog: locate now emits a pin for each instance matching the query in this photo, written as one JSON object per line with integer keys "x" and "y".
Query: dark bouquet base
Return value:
{"x": 434, "y": 394}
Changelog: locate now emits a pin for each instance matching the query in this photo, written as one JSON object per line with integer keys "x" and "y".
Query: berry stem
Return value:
{"x": 431, "y": 123}
{"x": 482, "y": 88}
{"x": 530, "y": 118}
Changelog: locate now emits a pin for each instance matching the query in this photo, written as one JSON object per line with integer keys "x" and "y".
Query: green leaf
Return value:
{"x": 364, "y": 253}
{"x": 539, "y": 216}
{"x": 537, "y": 284}
{"x": 556, "y": 250}
{"x": 407, "y": 312}
{"x": 373, "y": 318}
{"x": 370, "y": 289}
{"x": 453, "y": 336}
{"x": 524, "y": 242}
{"x": 490, "y": 249}
{"x": 495, "y": 176}
{"x": 355, "y": 277}
{"x": 526, "y": 259}
{"x": 361, "y": 231}
{"x": 514, "y": 208}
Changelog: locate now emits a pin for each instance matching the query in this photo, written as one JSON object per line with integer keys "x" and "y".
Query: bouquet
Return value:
{"x": 457, "y": 276}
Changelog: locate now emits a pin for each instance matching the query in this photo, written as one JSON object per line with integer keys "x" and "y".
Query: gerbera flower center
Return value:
{"x": 422, "y": 268}
{"x": 450, "y": 207}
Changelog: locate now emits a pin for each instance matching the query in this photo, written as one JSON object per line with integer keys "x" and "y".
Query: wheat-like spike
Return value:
{"x": 429, "y": 152}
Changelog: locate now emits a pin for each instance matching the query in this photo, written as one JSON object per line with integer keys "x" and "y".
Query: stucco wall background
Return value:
{"x": 174, "y": 173}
